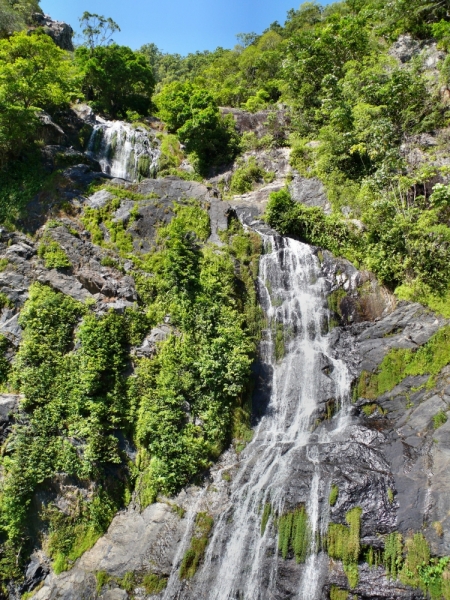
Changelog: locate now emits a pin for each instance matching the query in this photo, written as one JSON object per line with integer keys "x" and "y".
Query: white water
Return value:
{"x": 240, "y": 563}
{"x": 123, "y": 151}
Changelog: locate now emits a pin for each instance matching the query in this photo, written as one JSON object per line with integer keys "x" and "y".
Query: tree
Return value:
{"x": 97, "y": 29}
{"x": 34, "y": 75}
{"x": 115, "y": 79}
{"x": 247, "y": 39}
{"x": 192, "y": 113}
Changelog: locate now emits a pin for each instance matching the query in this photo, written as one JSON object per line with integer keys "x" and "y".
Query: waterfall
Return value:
{"x": 281, "y": 469}
{"x": 123, "y": 151}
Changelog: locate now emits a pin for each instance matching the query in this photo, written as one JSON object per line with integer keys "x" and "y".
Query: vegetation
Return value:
{"x": 343, "y": 544}
{"x": 153, "y": 584}
{"x": 115, "y": 80}
{"x": 180, "y": 408}
{"x": 338, "y": 594}
{"x": 200, "y": 373}
{"x": 194, "y": 116}
{"x": 247, "y": 174}
{"x": 68, "y": 396}
{"x": 334, "y": 493}
{"x": 294, "y": 534}
{"x": 265, "y": 516}
{"x": 34, "y": 76}
{"x": 429, "y": 359}
{"x": 54, "y": 256}
{"x": 393, "y": 558}
{"x": 194, "y": 554}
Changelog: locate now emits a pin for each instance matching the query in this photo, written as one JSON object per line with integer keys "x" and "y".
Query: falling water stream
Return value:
{"x": 281, "y": 466}
{"x": 122, "y": 150}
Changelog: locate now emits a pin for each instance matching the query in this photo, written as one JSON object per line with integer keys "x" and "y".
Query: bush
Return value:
{"x": 196, "y": 550}
{"x": 247, "y": 174}
{"x": 54, "y": 256}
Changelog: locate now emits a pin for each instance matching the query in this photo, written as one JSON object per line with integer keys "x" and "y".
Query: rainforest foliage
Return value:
{"x": 83, "y": 406}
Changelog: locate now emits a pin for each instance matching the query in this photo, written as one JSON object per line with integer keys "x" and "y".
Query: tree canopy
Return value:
{"x": 115, "y": 79}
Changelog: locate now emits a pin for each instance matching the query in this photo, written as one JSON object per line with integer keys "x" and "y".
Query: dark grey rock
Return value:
{"x": 218, "y": 213}
{"x": 49, "y": 131}
{"x": 174, "y": 188}
{"x": 61, "y": 33}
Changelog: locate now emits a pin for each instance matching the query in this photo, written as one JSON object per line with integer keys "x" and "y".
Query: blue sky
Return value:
{"x": 177, "y": 25}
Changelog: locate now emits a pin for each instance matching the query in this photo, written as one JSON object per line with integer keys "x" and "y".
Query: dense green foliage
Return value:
{"x": 188, "y": 393}
{"x": 115, "y": 80}
{"x": 34, "y": 75}
{"x": 193, "y": 115}
{"x": 54, "y": 256}
{"x": 68, "y": 396}
{"x": 343, "y": 544}
{"x": 338, "y": 594}
{"x": 397, "y": 247}
{"x": 180, "y": 408}
{"x": 334, "y": 493}
{"x": 265, "y": 516}
{"x": 16, "y": 14}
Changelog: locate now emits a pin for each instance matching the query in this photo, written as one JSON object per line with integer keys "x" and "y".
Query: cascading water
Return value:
{"x": 122, "y": 150}
{"x": 280, "y": 469}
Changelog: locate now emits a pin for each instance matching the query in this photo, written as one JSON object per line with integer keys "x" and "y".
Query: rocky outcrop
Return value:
{"x": 61, "y": 33}
{"x": 261, "y": 123}
{"x": 309, "y": 191}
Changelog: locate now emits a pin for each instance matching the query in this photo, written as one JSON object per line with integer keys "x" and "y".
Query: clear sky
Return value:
{"x": 181, "y": 26}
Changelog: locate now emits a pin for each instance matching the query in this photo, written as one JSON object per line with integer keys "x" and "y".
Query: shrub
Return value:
{"x": 154, "y": 584}
{"x": 54, "y": 256}
{"x": 246, "y": 175}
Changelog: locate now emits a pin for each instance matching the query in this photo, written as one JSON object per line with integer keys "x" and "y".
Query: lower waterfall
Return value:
{"x": 242, "y": 561}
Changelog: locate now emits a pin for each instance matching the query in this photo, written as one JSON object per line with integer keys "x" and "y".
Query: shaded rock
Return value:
{"x": 405, "y": 48}
{"x": 61, "y": 33}
{"x": 65, "y": 284}
{"x": 49, "y": 131}
{"x": 9, "y": 405}
{"x": 37, "y": 571}
{"x": 57, "y": 157}
{"x": 10, "y": 328}
{"x": 276, "y": 123}
{"x": 218, "y": 215}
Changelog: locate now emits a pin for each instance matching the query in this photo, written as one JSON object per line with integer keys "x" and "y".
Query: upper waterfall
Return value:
{"x": 124, "y": 151}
